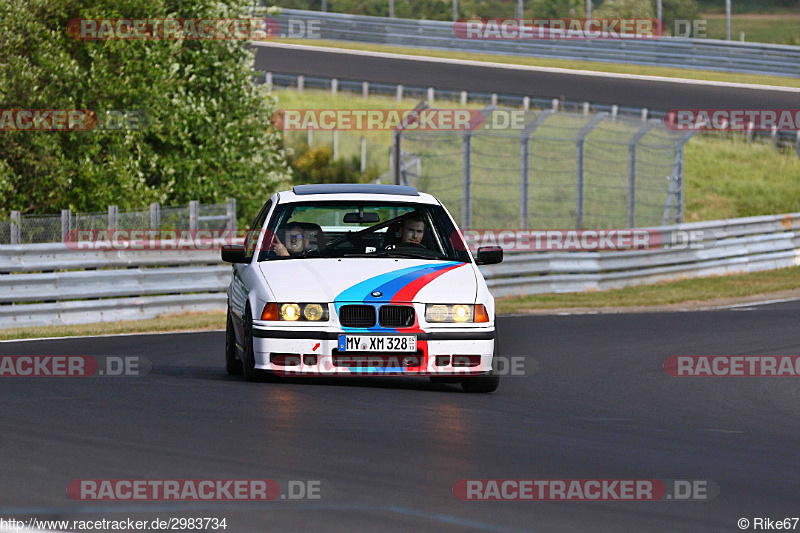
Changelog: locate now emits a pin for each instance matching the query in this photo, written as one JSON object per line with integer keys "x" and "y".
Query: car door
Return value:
{"x": 242, "y": 272}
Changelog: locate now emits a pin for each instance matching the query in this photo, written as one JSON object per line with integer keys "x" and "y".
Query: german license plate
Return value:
{"x": 377, "y": 343}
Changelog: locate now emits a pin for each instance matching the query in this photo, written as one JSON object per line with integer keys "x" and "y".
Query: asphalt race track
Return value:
{"x": 661, "y": 95}
{"x": 596, "y": 403}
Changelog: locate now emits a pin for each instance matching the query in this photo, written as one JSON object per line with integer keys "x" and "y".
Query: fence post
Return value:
{"x": 230, "y": 211}
{"x": 66, "y": 224}
{"x": 268, "y": 80}
{"x": 632, "y": 169}
{"x": 301, "y": 83}
{"x": 112, "y": 217}
{"x": 494, "y": 100}
{"x": 155, "y": 215}
{"x": 14, "y": 227}
{"x": 334, "y": 86}
{"x": 310, "y": 136}
{"x": 586, "y": 107}
{"x": 396, "y": 158}
{"x": 676, "y": 181}
{"x": 526, "y": 103}
{"x": 399, "y": 93}
{"x": 193, "y": 215}
{"x": 579, "y": 164}
{"x": 365, "y": 90}
{"x": 335, "y": 144}
{"x": 798, "y": 144}
{"x": 431, "y": 93}
{"x": 466, "y": 185}
{"x": 463, "y": 97}
{"x": 555, "y": 104}
{"x": 363, "y": 154}
{"x": 524, "y": 152}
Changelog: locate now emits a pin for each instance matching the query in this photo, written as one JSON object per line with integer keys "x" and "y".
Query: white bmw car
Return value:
{"x": 350, "y": 279}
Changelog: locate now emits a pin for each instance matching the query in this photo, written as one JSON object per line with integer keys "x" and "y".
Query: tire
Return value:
{"x": 232, "y": 362}
{"x": 248, "y": 356}
{"x": 486, "y": 383}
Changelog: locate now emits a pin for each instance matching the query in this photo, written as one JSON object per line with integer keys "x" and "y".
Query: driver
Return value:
{"x": 412, "y": 229}
{"x": 295, "y": 241}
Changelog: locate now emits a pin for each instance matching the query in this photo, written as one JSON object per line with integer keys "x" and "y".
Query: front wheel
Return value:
{"x": 248, "y": 356}
{"x": 233, "y": 364}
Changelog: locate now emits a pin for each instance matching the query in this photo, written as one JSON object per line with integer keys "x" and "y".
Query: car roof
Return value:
{"x": 355, "y": 192}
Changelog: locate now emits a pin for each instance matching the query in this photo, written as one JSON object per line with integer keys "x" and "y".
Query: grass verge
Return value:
{"x": 717, "y": 290}
{"x": 178, "y": 322}
{"x": 596, "y": 66}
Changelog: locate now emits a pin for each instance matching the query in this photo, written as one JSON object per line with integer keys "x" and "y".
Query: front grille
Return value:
{"x": 396, "y": 316}
{"x": 357, "y": 316}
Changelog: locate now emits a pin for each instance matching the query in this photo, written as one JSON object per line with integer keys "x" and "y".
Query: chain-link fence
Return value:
{"x": 549, "y": 170}
{"x": 29, "y": 229}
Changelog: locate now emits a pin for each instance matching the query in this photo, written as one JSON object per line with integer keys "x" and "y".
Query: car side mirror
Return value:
{"x": 490, "y": 255}
{"x": 234, "y": 253}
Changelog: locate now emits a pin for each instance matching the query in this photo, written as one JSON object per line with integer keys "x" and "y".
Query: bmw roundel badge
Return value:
{"x": 376, "y": 294}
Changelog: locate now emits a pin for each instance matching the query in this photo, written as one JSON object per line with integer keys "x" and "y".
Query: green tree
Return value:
{"x": 678, "y": 10}
{"x": 207, "y": 134}
{"x": 642, "y": 9}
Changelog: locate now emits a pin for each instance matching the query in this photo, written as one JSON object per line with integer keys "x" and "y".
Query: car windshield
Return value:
{"x": 329, "y": 229}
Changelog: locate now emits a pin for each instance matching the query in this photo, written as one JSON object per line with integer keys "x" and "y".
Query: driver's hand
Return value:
{"x": 279, "y": 248}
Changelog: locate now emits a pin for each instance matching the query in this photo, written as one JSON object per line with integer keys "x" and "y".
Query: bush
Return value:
{"x": 316, "y": 165}
{"x": 641, "y": 9}
{"x": 678, "y": 10}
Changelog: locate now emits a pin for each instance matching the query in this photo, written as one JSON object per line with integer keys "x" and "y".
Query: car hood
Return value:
{"x": 356, "y": 279}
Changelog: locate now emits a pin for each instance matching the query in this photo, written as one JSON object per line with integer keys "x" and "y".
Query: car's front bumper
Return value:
{"x": 314, "y": 352}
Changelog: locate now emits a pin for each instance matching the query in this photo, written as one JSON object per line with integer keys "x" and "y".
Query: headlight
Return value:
{"x": 456, "y": 313}
{"x": 313, "y": 312}
{"x": 292, "y": 312}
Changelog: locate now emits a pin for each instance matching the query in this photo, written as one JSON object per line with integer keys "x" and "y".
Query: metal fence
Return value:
{"x": 555, "y": 170}
{"x": 779, "y": 138}
{"x": 706, "y": 54}
{"x": 43, "y": 284}
{"x": 29, "y": 229}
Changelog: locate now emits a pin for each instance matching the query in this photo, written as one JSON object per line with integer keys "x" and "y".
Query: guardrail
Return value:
{"x": 48, "y": 284}
{"x": 727, "y": 246}
{"x": 679, "y": 52}
{"x": 45, "y": 284}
